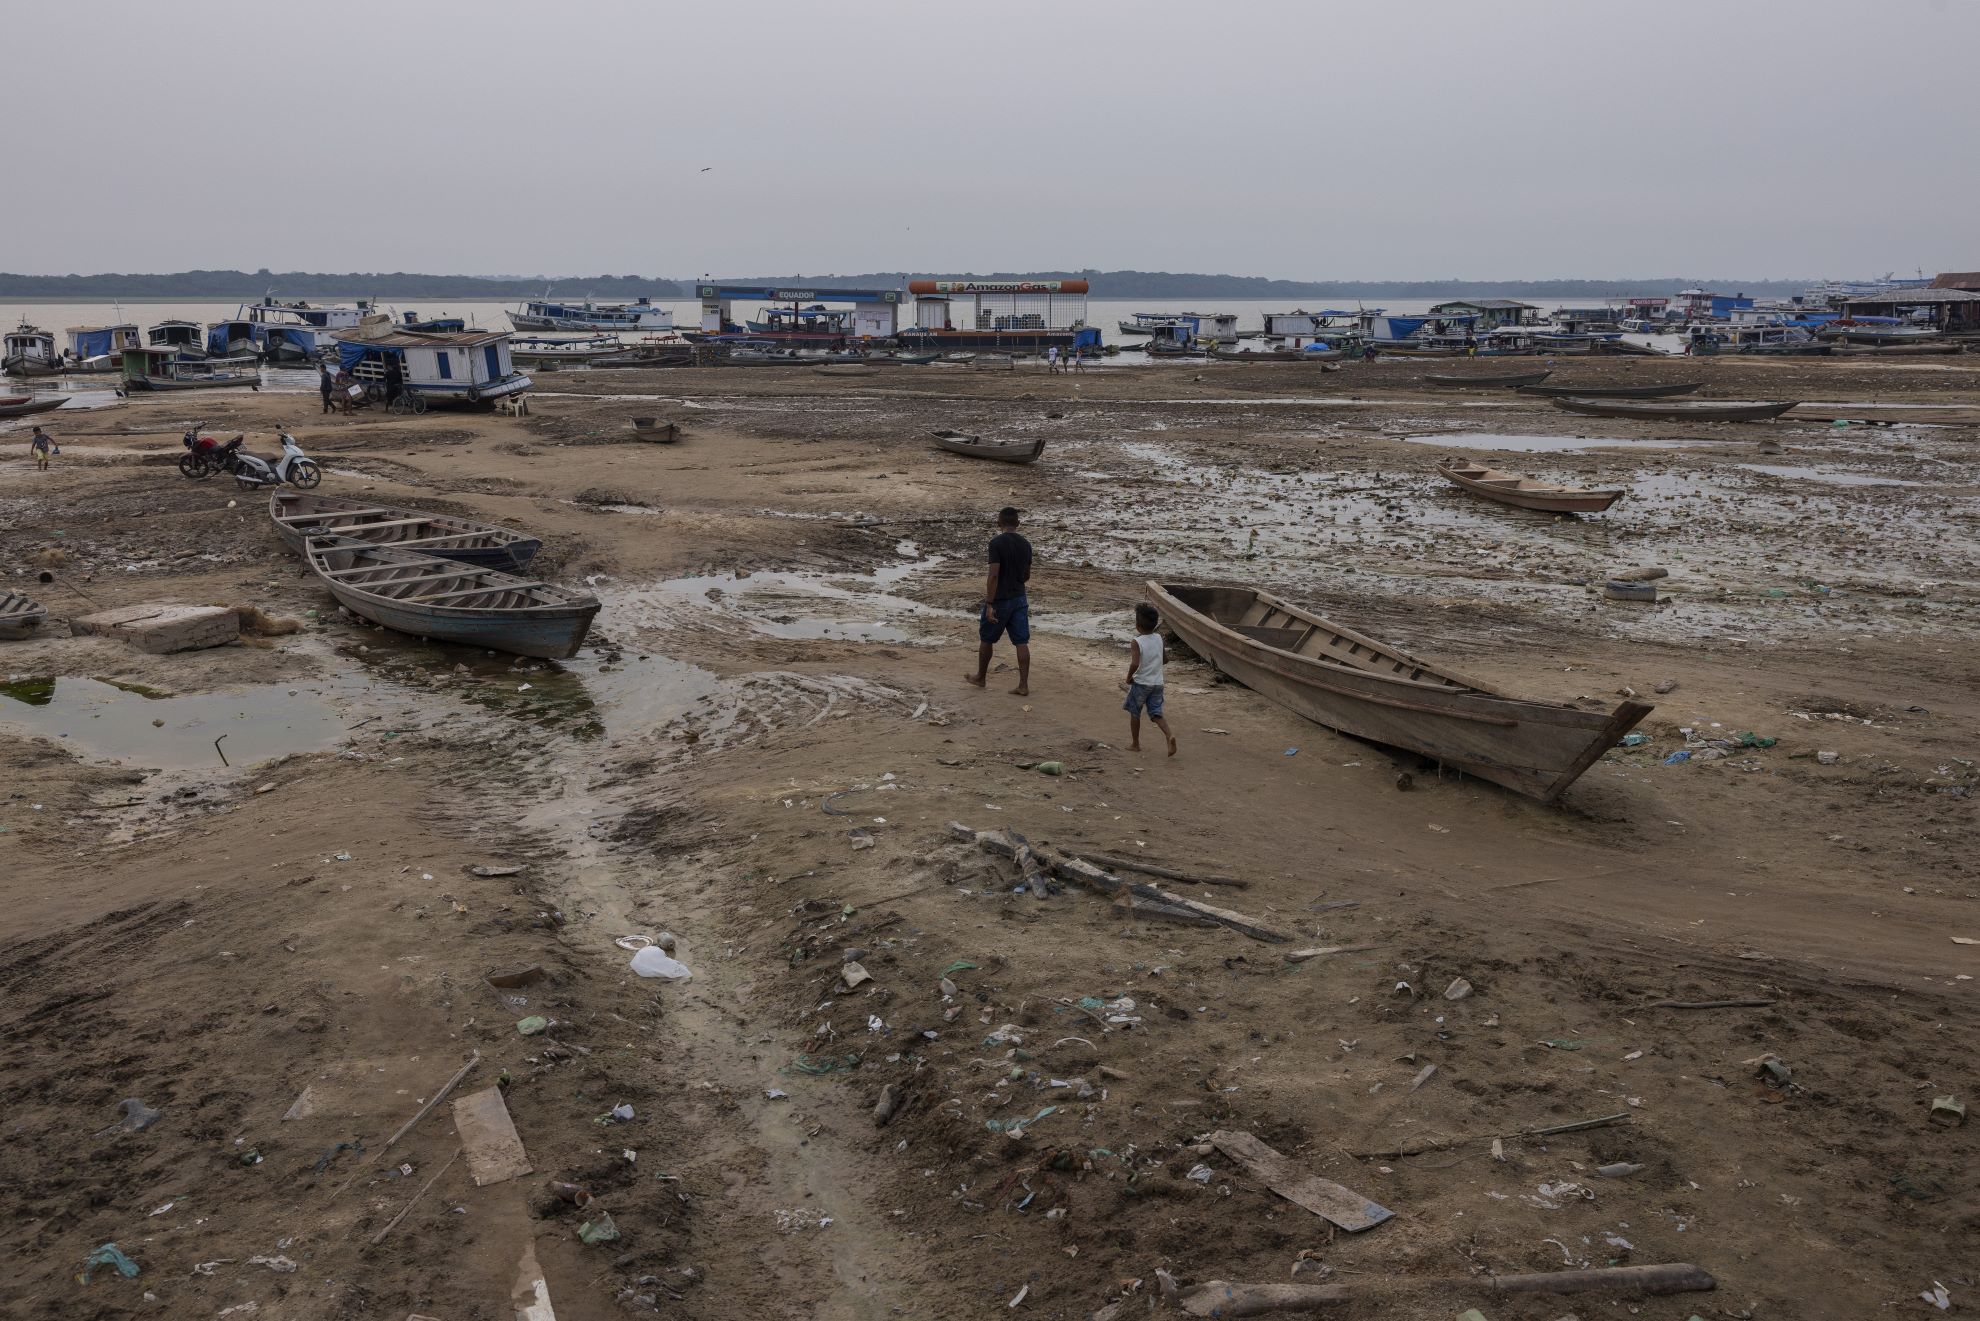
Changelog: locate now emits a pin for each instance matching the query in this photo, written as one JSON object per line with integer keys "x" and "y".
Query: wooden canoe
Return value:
{"x": 448, "y": 601}
{"x": 1338, "y": 678}
{"x": 217, "y": 381}
{"x": 28, "y": 405}
{"x": 1895, "y": 350}
{"x": 1509, "y": 488}
{"x": 1510, "y": 381}
{"x": 1614, "y": 391}
{"x": 975, "y": 447}
{"x": 1274, "y": 355}
{"x": 19, "y": 616}
{"x": 300, "y": 515}
{"x": 1671, "y": 410}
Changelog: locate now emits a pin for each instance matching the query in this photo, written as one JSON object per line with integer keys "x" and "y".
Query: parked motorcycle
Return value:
{"x": 205, "y": 455}
{"x": 256, "y": 470}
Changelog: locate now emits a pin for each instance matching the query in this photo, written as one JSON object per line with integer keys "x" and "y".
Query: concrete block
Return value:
{"x": 164, "y": 628}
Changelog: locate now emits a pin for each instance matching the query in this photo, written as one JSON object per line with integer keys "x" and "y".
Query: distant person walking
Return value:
{"x": 1005, "y": 608}
{"x": 42, "y": 448}
{"x": 1144, "y": 678}
{"x": 326, "y": 385}
{"x": 1052, "y": 359}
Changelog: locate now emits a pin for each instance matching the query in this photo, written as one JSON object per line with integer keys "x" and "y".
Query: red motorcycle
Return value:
{"x": 206, "y": 455}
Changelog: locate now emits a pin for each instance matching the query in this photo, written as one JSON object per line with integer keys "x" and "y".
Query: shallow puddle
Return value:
{"x": 1485, "y": 440}
{"x": 130, "y": 723}
{"x": 1827, "y": 475}
{"x": 852, "y": 607}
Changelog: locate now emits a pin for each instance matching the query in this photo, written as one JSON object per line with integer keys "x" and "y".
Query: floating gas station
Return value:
{"x": 1011, "y": 315}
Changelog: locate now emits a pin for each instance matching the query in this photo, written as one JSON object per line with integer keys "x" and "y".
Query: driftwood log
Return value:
{"x": 1219, "y": 1299}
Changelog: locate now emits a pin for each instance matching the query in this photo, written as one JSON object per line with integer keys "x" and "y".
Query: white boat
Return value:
{"x": 298, "y": 331}
{"x": 548, "y": 314}
{"x": 1209, "y": 327}
{"x": 31, "y": 350}
{"x": 463, "y": 366}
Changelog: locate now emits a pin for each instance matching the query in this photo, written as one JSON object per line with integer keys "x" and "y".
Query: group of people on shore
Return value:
{"x": 1068, "y": 360}
{"x": 1006, "y": 610}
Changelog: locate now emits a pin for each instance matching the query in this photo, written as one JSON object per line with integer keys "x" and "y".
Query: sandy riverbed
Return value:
{"x": 779, "y": 663}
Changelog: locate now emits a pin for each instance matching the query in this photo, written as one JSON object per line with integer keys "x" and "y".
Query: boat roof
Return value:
{"x": 426, "y": 339}
{"x": 84, "y": 330}
{"x": 1490, "y": 304}
{"x": 1909, "y": 296}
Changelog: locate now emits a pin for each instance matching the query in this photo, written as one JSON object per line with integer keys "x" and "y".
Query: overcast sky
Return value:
{"x": 1305, "y": 139}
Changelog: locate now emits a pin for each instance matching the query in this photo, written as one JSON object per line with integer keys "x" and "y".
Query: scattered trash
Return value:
{"x": 137, "y": 1117}
{"x": 533, "y": 1025}
{"x": 1020, "y": 1296}
{"x": 1957, "y": 940}
{"x": 618, "y": 1114}
{"x": 108, "y": 1255}
{"x": 1428, "y": 1072}
{"x": 777, "y": 1094}
{"x": 489, "y": 1139}
{"x": 1618, "y": 1170}
{"x": 1457, "y": 990}
{"x": 601, "y": 1230}
{"x": 1948, "y": 1110}
{"x": 280, "y": 1265}
{"x": 960, "y": 965}
{"x": 1292, "y": 752}
{"x": 1330, "y": 1201}
{"x": 1682, "y": 754}
{"x": 1201, "y": 1173}
{"x": 328, "y": 1158}
{"x": 1015, "y": 1127}
{"x": 861, "y": 839}
{"x": 1634, "y": 740}
{"x": 1938, "y": 1297}
{"x": 854, "y": 975}
{"x": 654, "y": 962}
{"x": 1828, "y": 758}
{"x": 1563, "y": 1043}
{"x": 1749, "y": 739}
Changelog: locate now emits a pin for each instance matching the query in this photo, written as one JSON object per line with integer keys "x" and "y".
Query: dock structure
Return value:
{"x": 1011, "y": 315}
{"x": 799, "y": 316}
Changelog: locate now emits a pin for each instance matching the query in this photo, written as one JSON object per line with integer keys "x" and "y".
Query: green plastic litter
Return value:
{"x": 108, "y": 1255}
{"x": 822, "y": 1064}
{"x": 1006, "y": 1125}
{"x": 1751, "y": 740}
{"x": 1562, "y": 1043}
{"x": 1092, "y": 1002}
{"x": 960, "y": 965}
{"x": 601, "y": 1230}
{"x": 532, "y": 1025}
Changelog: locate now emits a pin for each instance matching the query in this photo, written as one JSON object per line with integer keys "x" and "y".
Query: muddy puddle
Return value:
{"x": 145, "y": 727}
{"x": 798, "y": 604}
{"x": 1517, "y": 444}
{"x": 1830, "y": 475}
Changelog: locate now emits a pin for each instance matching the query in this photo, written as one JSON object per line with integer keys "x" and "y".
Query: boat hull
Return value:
{"x": 1508, "y": 382}
{"x": 298, "y": 516}
{"x": 1682, "y": 411}
{"x": 33, "y": 406}
{"x": 1533, "y": 748}
{"x": 1550, "y": 502}
{"x": 556, "y": 635}
{"x": 534, "y": 620}
{"x": 1614, "y": 391}
{"x": 974, "y": 448}
{"x": 20, "y": 617}
{"x": 163, "y": 384}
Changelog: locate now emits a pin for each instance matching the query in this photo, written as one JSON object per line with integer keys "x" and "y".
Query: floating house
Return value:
{"x": 187, "y": 338}
{"x": 1212, "y": 327}
{"x": 1012, "y": 315}
{"x": 1300, "y": 326}
{"x": 30, "y": 350}
{"x": 799, "y": 317}
{"x": 295, "y": 332}
{"x": 1944, "y": 311}
{"x": 107, "y": 342}
{"x": 1490, "y": 313}
{"x": 462, "y": 367}
{"x": 548, "y": 314}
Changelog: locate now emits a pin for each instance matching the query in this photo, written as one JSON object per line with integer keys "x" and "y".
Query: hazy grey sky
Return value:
{"x": 1304, "y": 139}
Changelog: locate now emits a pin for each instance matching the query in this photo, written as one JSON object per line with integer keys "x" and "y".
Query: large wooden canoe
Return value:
{"x": 1899, "y": 350}
{"x": 17, "y": 405}
{"x": 1005, "y": 451}
{"x": 1509, "y": 381}
{"x": 452, "y": 602}
{"x": 1345, "y": 681}
{"x": 1274, "y": 355}
{"x": 1672, "y": 410}
{"x": 19, "y": 616}
{"x": 300, "y": 515}
{"x": 1509, "y": 488}
{"x": 1614, "y": 391}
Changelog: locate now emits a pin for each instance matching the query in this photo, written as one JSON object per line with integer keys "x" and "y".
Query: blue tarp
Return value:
{"x": 1402, "y": 327}
{"x": 94, "y": 343}
{"x": 1317, "y": 346}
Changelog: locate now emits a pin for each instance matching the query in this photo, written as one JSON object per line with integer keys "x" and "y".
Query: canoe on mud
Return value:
{"x": 1509, "y": 488}
{"x": 448, "y": 601}
{"x": 1614, "y": 391}
{"x": 1509, "y": 381}
{"x": 1336, "y": 677}
{"x": 19, "y": 405}
{"x": 20, "y": 616}
{"x": 299, "y": 516}
{"x": 1004, "y": 451}
{"x": 1672, "y": 410}
{"x": 1274, "y": 355}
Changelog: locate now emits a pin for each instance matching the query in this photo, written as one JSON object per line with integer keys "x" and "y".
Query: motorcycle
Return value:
{"x": 257, "y": 470}
{"x": 205, "y": 454}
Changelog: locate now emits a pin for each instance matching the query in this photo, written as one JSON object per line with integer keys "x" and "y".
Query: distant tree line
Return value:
{"x": 229, "y": 285}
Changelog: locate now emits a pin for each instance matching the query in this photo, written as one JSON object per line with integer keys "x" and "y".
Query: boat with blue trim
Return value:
{"x": 548, "y": 314}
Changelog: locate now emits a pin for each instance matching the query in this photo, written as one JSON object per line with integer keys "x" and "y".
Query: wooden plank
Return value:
{"x": 1099, "y": 878}
{"x": 1328, "y": 1200}
{"x": 473, "y": 591}
{"x": 488, "y": 1136}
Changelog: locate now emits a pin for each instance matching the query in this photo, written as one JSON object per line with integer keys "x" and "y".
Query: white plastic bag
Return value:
{"x": 653, "y": 962}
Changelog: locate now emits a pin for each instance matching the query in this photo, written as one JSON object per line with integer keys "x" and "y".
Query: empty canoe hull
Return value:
{"x": 20, "y": 616}
{"x": 298, "y": 516}
{"x": 1352, "y": 683}
{"x": 446, "y": 601}
{"x": 1525, "y": 493}
{"x": 32, "y": 406}
{"x": 1506, "y": 382}
{"x": 1678, "y": 410}
{"x": 1614, "y": 391}
{"x": 1001, "y": 450}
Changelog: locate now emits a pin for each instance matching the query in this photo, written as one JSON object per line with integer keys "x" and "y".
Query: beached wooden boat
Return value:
{"x": 1895, "y": 350}
{"x": 1352, "y": 683}
{"x": 26, "y": 405}
{"x": 1005, "y": 451}
{"x": 1614, "y": 391}
{"x": 1671, "y": 410}
{"x": 193, "y": 381}
{"x": 1505, "y": 381}
{"x": 19, "y": 616}
{"x": 448, "y": 601}
{"x": 301, "y": 515}
{"x": 1274, "y": 355}
{"x": 1413, "y": 350}
{"x": 1509, "y": 488}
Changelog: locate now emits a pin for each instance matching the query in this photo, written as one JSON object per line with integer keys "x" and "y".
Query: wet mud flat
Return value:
{"x": 760, "y": 752}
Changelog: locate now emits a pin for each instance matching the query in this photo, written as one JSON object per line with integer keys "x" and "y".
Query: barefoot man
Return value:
{"x": 1004, "y": 604}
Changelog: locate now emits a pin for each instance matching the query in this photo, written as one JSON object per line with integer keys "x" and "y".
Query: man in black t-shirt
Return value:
{"x": 1004, "y": 607}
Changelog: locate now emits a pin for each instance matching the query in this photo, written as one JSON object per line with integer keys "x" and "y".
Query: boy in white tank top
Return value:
{"x": 1144, "y": 679}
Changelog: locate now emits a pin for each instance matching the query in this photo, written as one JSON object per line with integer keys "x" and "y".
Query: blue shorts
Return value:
{"x": 1012, "y": 614}
{"x": 1140, "y": 695}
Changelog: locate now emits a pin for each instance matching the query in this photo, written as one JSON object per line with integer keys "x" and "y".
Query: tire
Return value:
{"x": 305, "y": 474}
{"x": 245, "y": 482}
{"x": 400, "y": 406}
{"x": 194, "y": 466}
{"x": 416, "y": 402}
{"x": 374, "y": 391}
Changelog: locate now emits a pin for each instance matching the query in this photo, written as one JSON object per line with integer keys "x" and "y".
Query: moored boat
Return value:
{"x": 1274, "y": 355}
{"x": 1354, "y": 684}
{"x": 1899, "y": 349}
{"x": 1509, "y": 488}
{"x": 447, "y": 601}
{"x": 20, "y": 616}
{"x": 547, "y": 314}
{"x": 27, "y": 405}
{"x": 30, "y": 351}
{"x": 1004, "y": 451}
{"x": 1507, "y": 381}
{"x": 299, "y": 516}
{"x": 162, "y": 370}
{"x": 1671, "y": 410}
{"x": 1614, "y": 391}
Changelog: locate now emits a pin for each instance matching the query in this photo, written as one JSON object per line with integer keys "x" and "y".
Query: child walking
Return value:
{"x": 1144, "y": 680}
{"x": 41, "y": 447}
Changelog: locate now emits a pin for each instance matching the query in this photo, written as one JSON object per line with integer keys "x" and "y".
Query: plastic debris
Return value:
{"x": 137, "y": 1117}
{"x": 1618, "y": 1170}
{"x": 1828, "y": 758}
{"x": 1563, "y": 1043}
{"x": 1681, "y": 755}
{"x": 108, "y": 1255}
{"x": 601, "y": 1230}
{"x": 1201, "y": 1173}
{"x": 654, "y": 962}
{"x": 1457, "y": 990}
{"x": 960, "y": 965}
{"x": 1749, "y": 739}
{"x": 1938, "y": 1297}
{"x": 1292, "y": 752}
{"x": 1948, "y": 1110}
{"x": 280, "y": 1265}
{"x": 532, "y": 1025}
{"x": 618, "y": 1114}
{"x": 1634, "y": 740}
